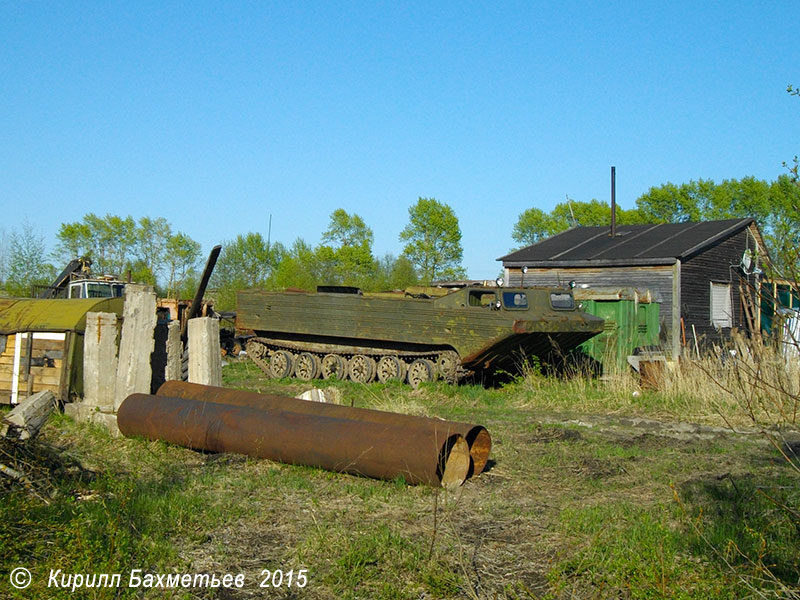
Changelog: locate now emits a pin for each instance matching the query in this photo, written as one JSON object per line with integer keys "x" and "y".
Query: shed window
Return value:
{"x": 721, "y": 311}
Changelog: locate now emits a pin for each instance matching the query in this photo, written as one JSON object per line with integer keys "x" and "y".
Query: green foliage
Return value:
{"x": 534, "y": 224}
{"x": 26, "y": 265}
{"x": 347, "y": 230}
{"x": 149, "y": 249}
{"x": 109, "y": 241}
{"x": 4, "y": 242}
{"x": 152, "y": 236}
{"x": 347, "y": 260}
{"x": 433, "y": 240}
{"x": 775, "y": 207}
{"x": 394, "y": 274}
{"x": 299, "y": 268}
{"x": 245, "y": 262}
{"x": 344, "y": 258}
{"x": 181, "y": 258}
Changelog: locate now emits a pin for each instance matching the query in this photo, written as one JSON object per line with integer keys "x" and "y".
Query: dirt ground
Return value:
{"x": 504, "y": 533}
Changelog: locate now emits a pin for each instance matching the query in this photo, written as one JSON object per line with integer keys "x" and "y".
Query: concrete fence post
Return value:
{"x": 136, "y": 344}
{"x": 174, "y": 351}
{"x": 205, "y": 360}
{"x": 100, "y": 360}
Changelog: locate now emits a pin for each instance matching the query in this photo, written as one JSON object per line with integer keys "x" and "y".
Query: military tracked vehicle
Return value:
{"x": 415, "y": 336}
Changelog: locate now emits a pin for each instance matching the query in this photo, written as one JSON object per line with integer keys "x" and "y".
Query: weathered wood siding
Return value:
{"x": 719, "y": 264}
{"x": 48, "y": 372}
{"x": 656, "y": 279}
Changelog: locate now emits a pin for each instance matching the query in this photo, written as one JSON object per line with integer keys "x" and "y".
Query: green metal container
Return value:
{"x": 631, "y": 321}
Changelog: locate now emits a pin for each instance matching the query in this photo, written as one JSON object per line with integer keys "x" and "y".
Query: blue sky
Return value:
{"x": 218, "y": 115}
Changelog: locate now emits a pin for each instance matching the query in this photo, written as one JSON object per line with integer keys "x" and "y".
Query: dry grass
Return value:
{"x": 564, "y": 511}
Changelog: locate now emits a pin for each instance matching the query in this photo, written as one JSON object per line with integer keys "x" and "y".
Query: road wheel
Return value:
{"x": 306, "y": 366}
{"x": 281, "y": 364}
{"x": 361, "y": 368}
{"x": 256, "y": 349}
{"x": 391, "y": 368}
{"x": 420, "y": 371}
{"x": 334, "y": 366}
{"x": 447, "y": 366}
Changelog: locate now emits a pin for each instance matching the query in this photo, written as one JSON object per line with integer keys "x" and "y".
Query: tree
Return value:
{"x": 794, "y": 167}
{"x": 347, "y": 230}
{"x": 393, "y": 273}
{"x": 534, "y": 224}
{"x": 27, "y": 265}
{"x": 299, "y": 268}
{"x": 433, "y": 240}
{"x": 245, "y": 262}
{"x": 116, "y": 244}
{"x": 109, "y": 241}
{"x": 182, "y": 254}
{"x": 348, "y": 259}
{"x": 775, "y": 206}
{"x": 152, "y": 237}
{"x": 3, "y": 256}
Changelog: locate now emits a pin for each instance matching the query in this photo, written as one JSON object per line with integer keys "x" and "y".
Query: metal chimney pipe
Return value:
{"x": 613, "y": 201}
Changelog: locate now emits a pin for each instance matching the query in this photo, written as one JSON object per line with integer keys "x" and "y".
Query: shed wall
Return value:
{"x": 720, "y": 264}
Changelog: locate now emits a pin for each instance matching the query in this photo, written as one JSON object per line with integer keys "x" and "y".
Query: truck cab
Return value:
{"x": 95, "y": 288}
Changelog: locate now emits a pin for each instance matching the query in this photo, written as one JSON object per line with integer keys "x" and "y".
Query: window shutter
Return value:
{"x": 721, "y": 311}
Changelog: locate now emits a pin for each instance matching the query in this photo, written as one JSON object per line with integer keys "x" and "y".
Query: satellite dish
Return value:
{"x": 747, "y": 260}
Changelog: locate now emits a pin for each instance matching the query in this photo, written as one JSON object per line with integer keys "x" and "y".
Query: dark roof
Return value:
{"x": 632, "y": 244}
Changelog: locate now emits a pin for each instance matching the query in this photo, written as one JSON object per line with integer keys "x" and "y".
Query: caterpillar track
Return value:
{"x": 280, "y": 358}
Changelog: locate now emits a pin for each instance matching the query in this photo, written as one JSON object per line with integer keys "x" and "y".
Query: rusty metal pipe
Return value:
{"x": 476, "y": 436}
{"x": 380, "y": 450}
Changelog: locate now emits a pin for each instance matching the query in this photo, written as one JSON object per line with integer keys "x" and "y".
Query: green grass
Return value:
{"x": 566, "y": 510}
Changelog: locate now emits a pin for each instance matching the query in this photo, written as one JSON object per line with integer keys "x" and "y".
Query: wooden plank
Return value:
{"x": 37, "y": 387}
{"x": 70, "y": 343}
{"x": 47, "y": 378}
{"x": 28, "y": 416}
{"x": 45, "y": 345}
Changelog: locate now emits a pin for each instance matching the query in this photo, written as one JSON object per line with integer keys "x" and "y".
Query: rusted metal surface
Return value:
{"x": 380, "y": 450}
{"x": 477, "y": 437}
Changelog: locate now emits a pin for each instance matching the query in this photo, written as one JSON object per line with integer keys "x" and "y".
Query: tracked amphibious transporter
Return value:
{"x": 415, "y": 336}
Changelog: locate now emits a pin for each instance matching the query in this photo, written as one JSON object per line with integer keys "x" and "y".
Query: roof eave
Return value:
{"x": 605, "y": 262}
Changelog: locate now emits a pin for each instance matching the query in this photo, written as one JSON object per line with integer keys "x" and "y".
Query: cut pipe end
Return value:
{"x": 455, "y": 461}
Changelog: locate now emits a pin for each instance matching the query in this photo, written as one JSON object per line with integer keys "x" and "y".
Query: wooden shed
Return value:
{"x": 707, "y": 274}
{"x": 41, "y": 345}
